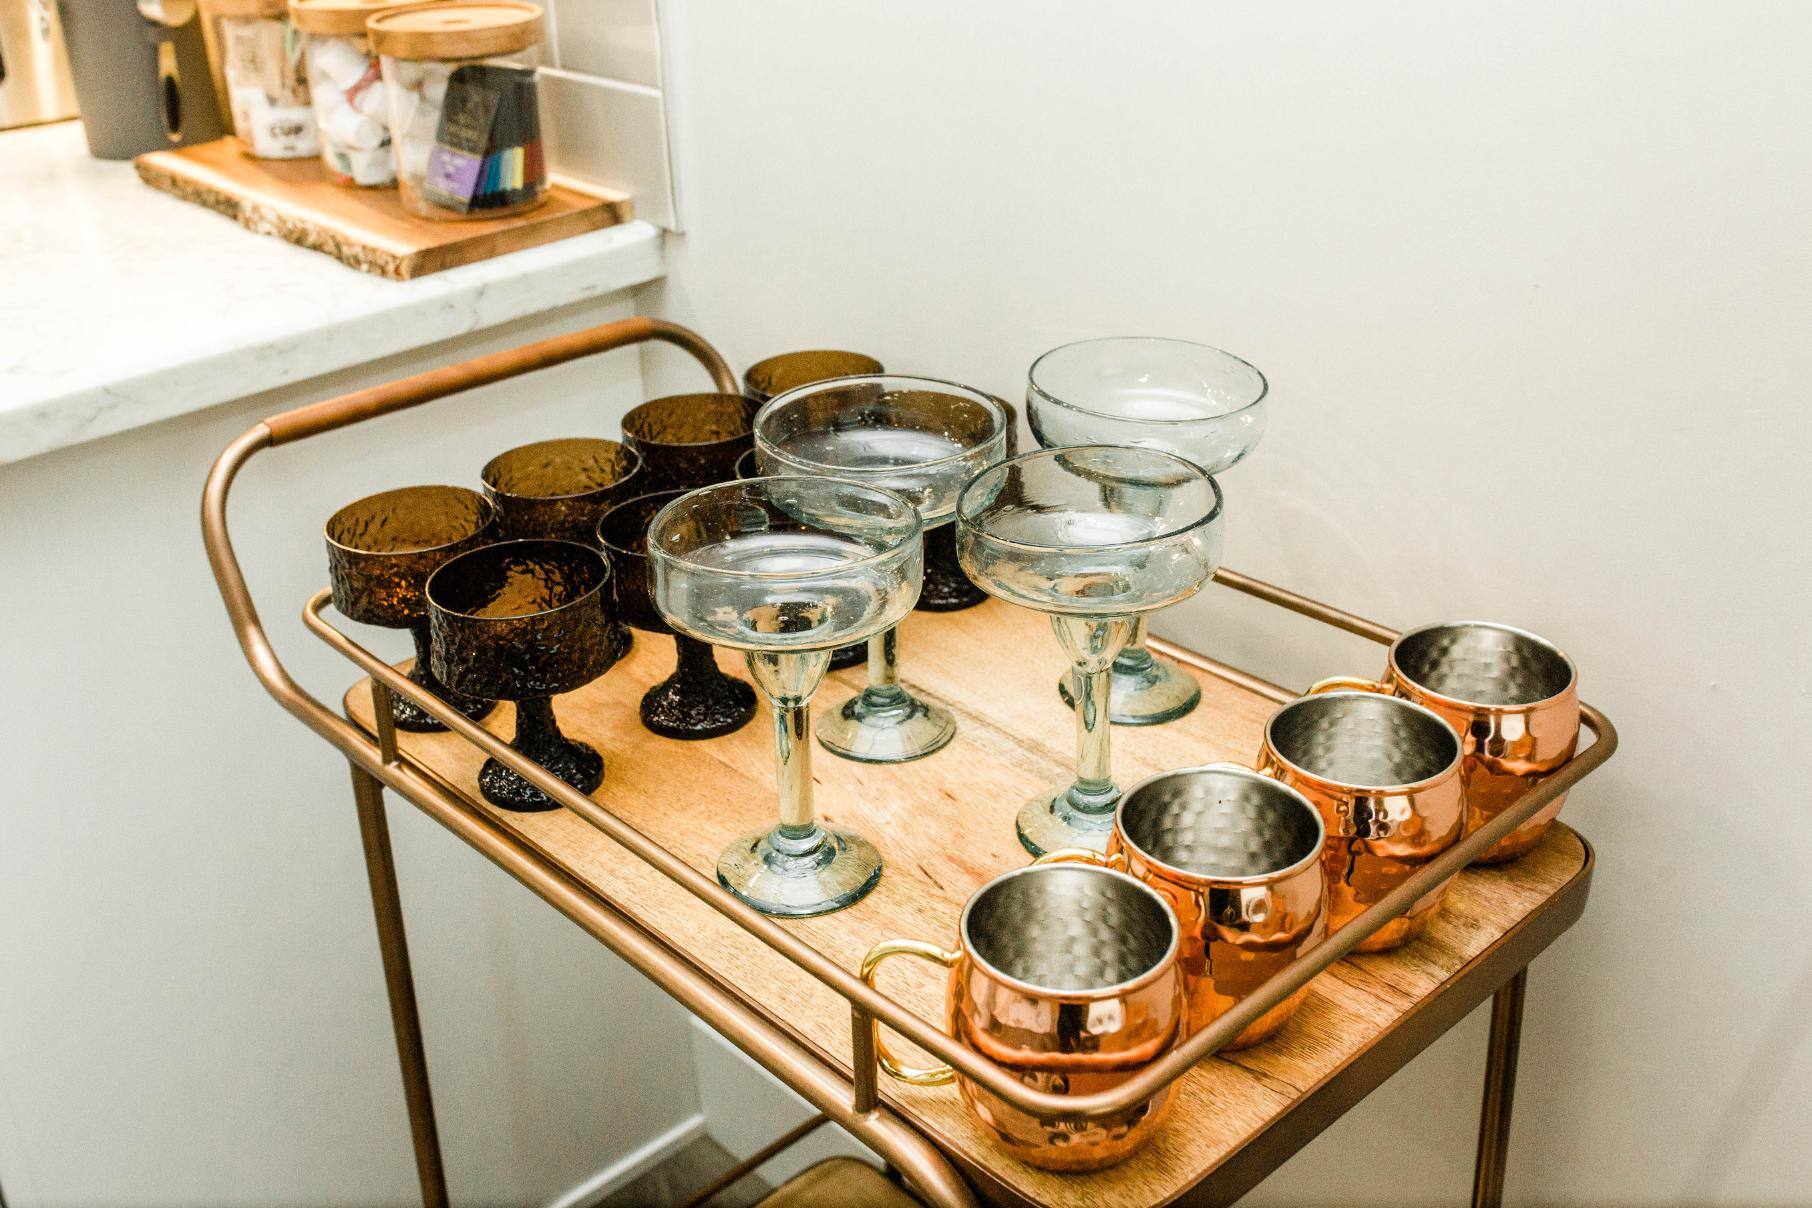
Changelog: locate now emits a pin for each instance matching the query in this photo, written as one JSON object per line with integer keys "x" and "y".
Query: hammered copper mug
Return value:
{"x": 1384, "y": 774}
{"x": 1066, "y": 976}
{"x": 1512, "y": 697}
{"x": 1237, "y": 855}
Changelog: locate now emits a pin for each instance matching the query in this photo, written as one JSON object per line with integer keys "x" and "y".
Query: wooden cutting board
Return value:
{"x": 367, "y": 229}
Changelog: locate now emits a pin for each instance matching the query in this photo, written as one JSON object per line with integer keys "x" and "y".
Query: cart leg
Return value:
{"x": 380, "y": 868}
{"x": 1500, "y": 1085}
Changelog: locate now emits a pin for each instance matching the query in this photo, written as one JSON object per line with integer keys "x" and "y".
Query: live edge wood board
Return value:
{"x": 945, "y": 825}
{"x": 367, "y": 229}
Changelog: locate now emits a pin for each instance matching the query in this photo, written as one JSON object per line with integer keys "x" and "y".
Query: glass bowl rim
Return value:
{"x": 611, "y": 547}
{"x": 630, "y": 439}
{"x": 1213, "y": 514}
{"x": 604, "y": 581}
{"x": 484, "y": 475}
{"x": 487, "y": 519}
{"x": 657, "y": 554}
{"x": 991, "y": 404}
{"x": 1264, "y": 384}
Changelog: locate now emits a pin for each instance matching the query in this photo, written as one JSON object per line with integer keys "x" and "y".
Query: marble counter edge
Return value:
{"x": 424, "y": 311}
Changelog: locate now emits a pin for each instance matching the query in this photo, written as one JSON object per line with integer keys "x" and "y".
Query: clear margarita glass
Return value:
{"x": 1199, "y": 403}
{"x": 1096, "y": 536}
{"x": 784, "y": 569}
{"x": 921, "y": 438}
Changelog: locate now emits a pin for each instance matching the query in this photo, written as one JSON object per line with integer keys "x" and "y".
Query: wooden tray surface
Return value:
{"x": 367, "y": 229}
{"x": 945, "y": 825}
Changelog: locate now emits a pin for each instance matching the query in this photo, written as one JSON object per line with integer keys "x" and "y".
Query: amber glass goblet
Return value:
{"x": 697, "y": 700}
{"x": 380, "y": 552}
{"x": 560, "y": 489}
{"x": 790, "y": 370}
{"x": 688, "y": 441}
{"x": 525, "y": 621}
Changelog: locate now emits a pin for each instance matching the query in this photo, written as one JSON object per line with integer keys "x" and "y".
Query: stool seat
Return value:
{"x": 838, "y": 1183}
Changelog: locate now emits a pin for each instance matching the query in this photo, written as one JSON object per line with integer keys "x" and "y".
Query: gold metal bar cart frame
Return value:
{"x": 851, "y": 1101}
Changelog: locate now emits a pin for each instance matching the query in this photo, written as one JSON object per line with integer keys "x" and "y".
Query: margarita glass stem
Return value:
{"x": 788, "y": 680}
{"x": 1135, "y": 658}
{"x": 1092, "y": 643}
{"x": 883, "y": 689}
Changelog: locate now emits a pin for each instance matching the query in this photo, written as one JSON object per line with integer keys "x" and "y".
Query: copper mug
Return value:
{"x": 1384, "y": 773}
{"x": 1512, "y": 697}
{"x": 1237, "y": 855}
{"x": 1066, "y": 976}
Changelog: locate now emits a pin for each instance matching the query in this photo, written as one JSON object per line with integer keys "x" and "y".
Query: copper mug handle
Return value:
{"x": 1346, "y": 683}
{"x": 1084, "y": 855}
{"x": 929, "y": 1075}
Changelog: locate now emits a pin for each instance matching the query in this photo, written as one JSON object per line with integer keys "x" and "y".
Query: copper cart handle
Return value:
{"x": 400, "y": 395}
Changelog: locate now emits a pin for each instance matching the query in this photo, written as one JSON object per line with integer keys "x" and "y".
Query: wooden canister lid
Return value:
{"x": 456, "y": 29}
{"x": 338, "y": 18}
{"x": 244, "y": 8}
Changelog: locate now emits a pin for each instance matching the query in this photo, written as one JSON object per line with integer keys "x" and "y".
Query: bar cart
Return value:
{"x": 631, "y": 865}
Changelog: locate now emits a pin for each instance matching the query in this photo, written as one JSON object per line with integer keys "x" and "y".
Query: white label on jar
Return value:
{"x": 283, "y": 133}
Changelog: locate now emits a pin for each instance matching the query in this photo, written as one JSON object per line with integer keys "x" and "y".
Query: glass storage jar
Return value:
{"x": 267, "y": 90}
{"x": 347, "y": 89}
{"x": 459, "y": 77}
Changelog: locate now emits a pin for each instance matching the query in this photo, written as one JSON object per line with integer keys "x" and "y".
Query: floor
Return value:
{"x": 683, "y": 1175}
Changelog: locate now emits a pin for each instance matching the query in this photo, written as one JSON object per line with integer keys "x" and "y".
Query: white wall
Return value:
{"x": 192, "y": 1006}
{"x": 1532, "y": 284}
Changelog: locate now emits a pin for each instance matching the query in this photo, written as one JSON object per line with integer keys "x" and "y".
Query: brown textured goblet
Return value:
{"x": 560, "y": 489}
{"x": 380, "y": 552}
{"x": 524, "y": 621}
{"x": 852, "y": 655}
{"x": 689, "y": 441}
{"x": 697, "y": 700}
{"x": 790, "y": 370}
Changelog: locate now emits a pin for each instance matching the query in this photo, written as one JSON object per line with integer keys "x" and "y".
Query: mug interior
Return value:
{"x": 1363, "y": 739}
{"x": 1069, "y": 928}
{"x": 1221, "y": 824}
{"x": 1483, "y": 664}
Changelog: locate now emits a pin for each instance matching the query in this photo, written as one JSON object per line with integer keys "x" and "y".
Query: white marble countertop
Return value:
{"x": 123, "y": 306}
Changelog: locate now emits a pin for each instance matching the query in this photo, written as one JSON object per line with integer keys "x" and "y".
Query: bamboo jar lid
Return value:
{"x": 338, "y": 18}
{"x": 457, "y": 29}
{"x": 244, "y": 8}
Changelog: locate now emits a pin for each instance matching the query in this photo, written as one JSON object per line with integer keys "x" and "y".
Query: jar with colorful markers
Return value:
{"x": 465, "y": 117}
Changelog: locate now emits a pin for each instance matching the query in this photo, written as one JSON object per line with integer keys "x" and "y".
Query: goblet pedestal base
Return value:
{"x": 1142, "y": 691}
{"x": 575, "y": 762}
{"x": 885, "y": 727}
{"x": 411, "y": 717}
{"x": 1051, "y": 822}
{"x": 827, "y": 875}
{"x": 682, "y": 706}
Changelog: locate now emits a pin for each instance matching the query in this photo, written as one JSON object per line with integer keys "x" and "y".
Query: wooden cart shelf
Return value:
{"x": 945, "y": 825}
